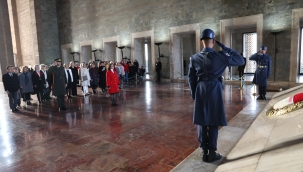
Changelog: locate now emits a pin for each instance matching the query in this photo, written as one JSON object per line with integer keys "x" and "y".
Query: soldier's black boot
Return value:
{"x": 260, "y": 97}
{"x": 264, "y": 97}
{"x": 213, "y": 156}
{"x": 204, "y": 155}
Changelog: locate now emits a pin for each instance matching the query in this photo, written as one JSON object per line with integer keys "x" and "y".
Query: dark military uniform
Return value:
{"x": 59, "y": 84}
{"x": 205, "y": 75}
{"x": 262, "y": 72}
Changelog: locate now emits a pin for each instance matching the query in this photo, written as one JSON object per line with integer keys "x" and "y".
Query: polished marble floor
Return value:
{"x": 150, "y": 130}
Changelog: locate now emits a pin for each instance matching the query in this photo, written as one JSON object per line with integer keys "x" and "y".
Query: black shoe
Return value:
{"x": 213, "y": 156}
{"x": 40, "y": 102}
{"x": 28, "y": 103}
{"x": 14, "y": 110}
{"x": 260, "y": 97}
{"x": 63, "y": 109}
{"x": 264, "y": 98}
{"x": 204, "y": 155}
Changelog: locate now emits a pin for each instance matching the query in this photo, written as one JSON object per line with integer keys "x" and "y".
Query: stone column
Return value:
{"x": 6, "y": 48}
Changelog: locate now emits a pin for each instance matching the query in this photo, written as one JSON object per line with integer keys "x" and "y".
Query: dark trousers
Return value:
{"x": 241, "y": 73}
{"x": 61, "y": 101}
{"x": 13, "y": 100}
{"x": 46, "y": 94}
{"x": 40, "y": 95}
{"x": 74, "y": 88}
{"x": 262, "y": 90}
{"x": 94, "y": 87}
{"x": 158, "y": 75}
{"x": 26, "y": 97}
{"x": 207, "y": 137}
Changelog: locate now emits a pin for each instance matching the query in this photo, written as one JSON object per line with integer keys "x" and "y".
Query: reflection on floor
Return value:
{"x": 150, "y": 130}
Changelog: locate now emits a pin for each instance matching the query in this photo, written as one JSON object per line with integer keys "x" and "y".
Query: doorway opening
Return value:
{"x": 244, "y": 40}
{"x": 142, "y": 52}
{"x": 86, "y": 53}
{"x": 110, "y": 51}
{"x": 184, "y": 46}
{"x": 250, "y": 48}
{"x": 66, "y": 55}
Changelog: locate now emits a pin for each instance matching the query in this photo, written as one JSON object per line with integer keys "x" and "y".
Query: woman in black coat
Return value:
{"x": 93, "y": 72}
{"x": 102, "y": 76}
{"x": 75, "y": 78}
{"x": 38, "y": 82}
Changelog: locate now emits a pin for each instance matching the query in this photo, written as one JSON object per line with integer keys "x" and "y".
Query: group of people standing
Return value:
{"x": 63, "y": 80}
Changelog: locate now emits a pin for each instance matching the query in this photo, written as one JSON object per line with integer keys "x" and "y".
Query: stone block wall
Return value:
{"x": 6, "y": 48}
{"x": 50, "y": 36}
{"x": 80, "y": 20}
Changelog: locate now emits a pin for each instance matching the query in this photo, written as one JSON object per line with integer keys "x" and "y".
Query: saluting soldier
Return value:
{"x": 205, "y": 80}
{"x": 262, "y": 72}
{"x": 59, "y": 84}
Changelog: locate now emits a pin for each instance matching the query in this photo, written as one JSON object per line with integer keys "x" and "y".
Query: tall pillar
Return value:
{"x": 6, "y": 48}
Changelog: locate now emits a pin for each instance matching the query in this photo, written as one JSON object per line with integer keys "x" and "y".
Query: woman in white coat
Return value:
{"x": 85, "y": 78}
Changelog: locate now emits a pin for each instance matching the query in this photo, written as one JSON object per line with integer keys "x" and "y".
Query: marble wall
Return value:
{"x": 93, "y": 20}
{"x": 50, "y": 36}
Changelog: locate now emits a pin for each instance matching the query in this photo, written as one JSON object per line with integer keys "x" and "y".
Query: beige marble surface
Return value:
{"x": 270, "y": 143}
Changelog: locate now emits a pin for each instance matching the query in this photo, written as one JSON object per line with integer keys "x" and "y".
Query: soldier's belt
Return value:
{"x": 262, "y": 66}
{"x": 209, "y": 79}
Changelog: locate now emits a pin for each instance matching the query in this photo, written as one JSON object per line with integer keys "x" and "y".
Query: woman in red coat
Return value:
{"x": 112, "y": 82}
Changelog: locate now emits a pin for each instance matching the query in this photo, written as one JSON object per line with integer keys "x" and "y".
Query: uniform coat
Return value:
{"x": 27, "y": 86}
{"x": 112, "y": 81}
{"x": 209, "y": 108}
{"x": 59, "y": 80}
{"x": 263, "y": 68}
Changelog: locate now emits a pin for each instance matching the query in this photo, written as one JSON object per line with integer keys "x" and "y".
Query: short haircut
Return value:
{"x": 9, "y": 66}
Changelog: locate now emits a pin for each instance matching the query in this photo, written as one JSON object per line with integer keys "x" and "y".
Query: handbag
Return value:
{"x": 84, "y": 78}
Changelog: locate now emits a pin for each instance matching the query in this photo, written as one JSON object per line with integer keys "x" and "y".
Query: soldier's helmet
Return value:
{"x": 207, "y": 34}
{"x": 263, "y": 47}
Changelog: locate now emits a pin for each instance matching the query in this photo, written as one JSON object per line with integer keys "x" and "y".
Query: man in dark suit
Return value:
{"x": 11, "y": 87}
{"x": 158, "y": 69}
{"x": 241, "y": 68}
{"x": 205, "y": 79}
